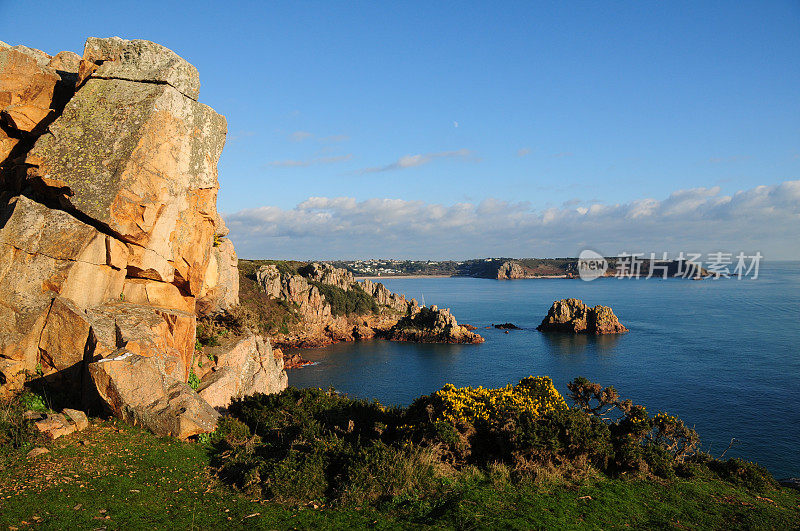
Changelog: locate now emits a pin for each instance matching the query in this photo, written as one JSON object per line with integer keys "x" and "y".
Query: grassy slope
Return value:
{"x": 139, "y": 480}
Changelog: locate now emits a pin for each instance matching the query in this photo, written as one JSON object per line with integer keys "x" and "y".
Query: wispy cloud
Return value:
{"x": 299, "y": 136}
{"x": 764, "y": 218}
{"x": 290, "y": 163}
{"x": 334, "y": 139}
{"x": 733, "y": 158}
{"x": 411, "y": 161}
{"x": 523, "y": 151}
{"x": 235, "y": 136}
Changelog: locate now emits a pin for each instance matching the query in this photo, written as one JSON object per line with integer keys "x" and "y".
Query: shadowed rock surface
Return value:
{"x": 110, "y": 240}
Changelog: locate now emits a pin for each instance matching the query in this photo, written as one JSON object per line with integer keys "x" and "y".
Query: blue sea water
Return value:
{"x": 721, "y": 354}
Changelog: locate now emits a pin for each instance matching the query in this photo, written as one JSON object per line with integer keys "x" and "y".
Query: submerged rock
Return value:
{"x": 573, "y": 316}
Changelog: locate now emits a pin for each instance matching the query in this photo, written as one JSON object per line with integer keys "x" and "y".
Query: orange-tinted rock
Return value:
{"x": 573, "y": 316}
{"x": 151, "y": 332}
{"x": 109, "y": 232}
{"x": 220, "y": 290}
{"x": 244, "y": 366}
{"x": 55, "y": 425}
{"x": 432, "y": 325}
{"x": 155, "y": 184}
{"x": 26, "y": 89}
{"x": 138, "y": 389}
{"x": 77, "y": 417}
{"x": 45, "y": 253}
{"x": 157, "y": 294}
{"x": 63, "y": 341}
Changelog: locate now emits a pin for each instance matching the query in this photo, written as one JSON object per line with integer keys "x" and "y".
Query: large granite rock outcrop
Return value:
{"x": 296, "y": 289}
{"x": 110, "y": 240}
{"x": 573, "y": 316}
{"x": 432, "y": 325}
{"x": 138, "y": 389}
{"x": 241, "y": 366}
{"x": 384, "y": 297}
{"x": 220, "y": 290}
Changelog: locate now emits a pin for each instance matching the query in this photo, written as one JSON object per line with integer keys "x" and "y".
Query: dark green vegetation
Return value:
{"x": 256, "y": 311}
{"x": 260, "y": 313}
{"x": 309, "y": 444}
{"x": 349, "y": 459}
{"x": 248, "y": 268}
{"x": 353, "y": 301}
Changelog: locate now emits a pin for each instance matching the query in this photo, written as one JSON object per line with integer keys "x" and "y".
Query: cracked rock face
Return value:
{"x": 243, "y": 366}
{"x": 109, "y": 232}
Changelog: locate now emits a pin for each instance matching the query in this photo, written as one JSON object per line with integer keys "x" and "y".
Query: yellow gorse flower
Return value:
{"x": 536, "y": 395}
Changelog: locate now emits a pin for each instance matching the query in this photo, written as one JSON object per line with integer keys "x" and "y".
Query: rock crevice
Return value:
{"x": 111, "y": 240}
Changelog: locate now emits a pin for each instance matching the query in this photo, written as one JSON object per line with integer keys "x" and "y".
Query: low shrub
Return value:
{"x": 476, "y": 405}
{"x": 740, "y": 472}
{"x": 308, "y": 444}
{"x": 16, "y": 431}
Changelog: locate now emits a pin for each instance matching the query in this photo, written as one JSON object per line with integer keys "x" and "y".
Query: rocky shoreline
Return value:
{"x": 330, "y": 306}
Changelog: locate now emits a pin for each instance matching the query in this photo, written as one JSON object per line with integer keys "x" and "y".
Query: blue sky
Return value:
{"x": 534, "y": 106}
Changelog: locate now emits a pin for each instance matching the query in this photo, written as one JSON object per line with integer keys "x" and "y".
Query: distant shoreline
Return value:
{"x": 454, "y": 276}
{"x": 379, "y": 277}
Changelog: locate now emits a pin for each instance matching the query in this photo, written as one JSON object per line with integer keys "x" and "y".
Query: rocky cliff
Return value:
{"x": 110, "y": 241}
{"x": 331, "y": 306}
{"x": 573, "y": 316}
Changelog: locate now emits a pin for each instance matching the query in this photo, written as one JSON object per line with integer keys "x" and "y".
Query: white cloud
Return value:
{"x": 334, "y": 139}
{"x": 235, "y": 136}
{"x": 764, "y": 218}
{"x": 299, "y": 136}
{"x": 410, "y": 161}
{"x": 292, "y": 163}
{"x": 523, "y": 151}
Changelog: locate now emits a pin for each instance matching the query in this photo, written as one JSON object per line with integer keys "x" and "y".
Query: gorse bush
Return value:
{"x": 468, "y": 405}
{"x": 309, "y": 444}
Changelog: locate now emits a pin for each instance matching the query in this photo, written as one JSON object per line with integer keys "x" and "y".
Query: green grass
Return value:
{"x": 130, "y": 479}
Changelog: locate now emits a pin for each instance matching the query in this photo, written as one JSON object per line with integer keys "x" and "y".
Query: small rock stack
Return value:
{"x": 432, "y": 325}
{"x": 573, "y": 316}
